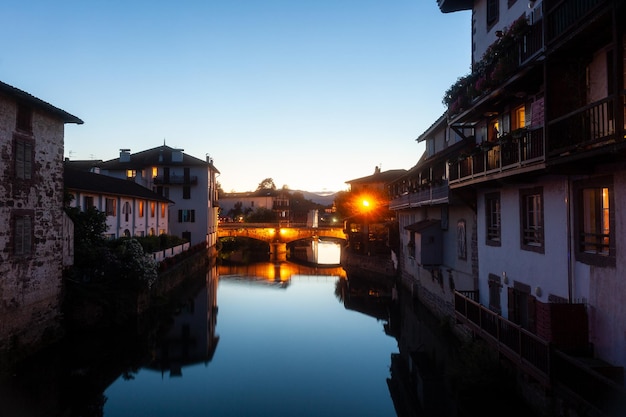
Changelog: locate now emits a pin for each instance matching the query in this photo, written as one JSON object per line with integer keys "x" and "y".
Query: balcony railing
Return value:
{"x": 588, "y": 127}
{"x": 565, "y": 14}
{"x": 430, "y": 194}
{"x": 515, "y": 150}
{"x": 176, "y": 180}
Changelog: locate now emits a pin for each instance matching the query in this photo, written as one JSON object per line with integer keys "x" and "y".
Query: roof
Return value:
{"x": 24, "y": 97}
{"x": 79, "y": 180}
{"x": 448, "y": 6}
{"x": 161, "y": 155}
{"x": 422, "y": 225}
{"x": 384, "y": 177}
{"x": 438, "y": 124}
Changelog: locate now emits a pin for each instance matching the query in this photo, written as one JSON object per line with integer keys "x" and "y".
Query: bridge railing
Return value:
{"x": 295, "y": 225}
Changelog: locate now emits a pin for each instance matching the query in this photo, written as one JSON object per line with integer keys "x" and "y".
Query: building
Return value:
{"x": 234, "y": 206}
{"x": 131, "y": 210}
{"x": 36, "y": 232}
{"x": 190, "y": 183}
{"x": 435, "y": 228}
{"x": 540, "y": 161}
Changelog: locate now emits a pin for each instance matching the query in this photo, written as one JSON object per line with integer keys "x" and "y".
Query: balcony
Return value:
{"x": 426, "y": 195}
{"x": 176, "y": 180}
{"x": 588, "y": 128}
{"x": 562, "y": 16}
{"x": 520, "y": 150}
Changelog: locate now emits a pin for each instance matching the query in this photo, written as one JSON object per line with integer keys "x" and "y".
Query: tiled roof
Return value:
{"x": 24, "y": 97}
{"x": 384, "y": 177}
{"x": 79, "y": 180}
{"x": 161, "y": 155}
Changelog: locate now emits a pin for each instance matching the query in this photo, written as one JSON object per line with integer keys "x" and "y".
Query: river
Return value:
{"x": 267, "y": 339}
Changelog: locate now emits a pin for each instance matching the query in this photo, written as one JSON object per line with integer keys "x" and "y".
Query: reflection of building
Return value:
{"x": 132, "y": 210}
{"x": 36, "y": 237}
{"x": 191, "y": 339}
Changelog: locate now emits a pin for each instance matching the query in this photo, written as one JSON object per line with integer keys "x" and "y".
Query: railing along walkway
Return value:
{"x": 530, "y": 352}
{"x": 539, "y": 359}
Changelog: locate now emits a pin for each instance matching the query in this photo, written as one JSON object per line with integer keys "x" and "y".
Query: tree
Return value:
{"x": 266, "y": 184}
{"x": 261, "y": 215}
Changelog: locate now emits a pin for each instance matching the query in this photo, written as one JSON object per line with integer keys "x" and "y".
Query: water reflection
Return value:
{"x": 323, "y": 252}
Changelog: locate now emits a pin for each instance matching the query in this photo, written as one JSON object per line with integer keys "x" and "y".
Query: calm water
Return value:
{"x": 282, "y": 344}
{"x": 268, "y": 339}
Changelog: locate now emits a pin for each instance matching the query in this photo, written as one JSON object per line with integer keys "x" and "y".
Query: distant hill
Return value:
{"x": 324, "y": 198}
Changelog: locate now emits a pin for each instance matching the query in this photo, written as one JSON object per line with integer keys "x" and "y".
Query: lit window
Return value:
{"x": 163, "y": 209}
{"x": 595, "y": 221}
{"x": 141, "y": 209}
{"x": 110, "y": 207}
{"x": 519, "y": 117}
{"x": 155, "y": 172}
{"x": 152, "y": 209}
{"x": 131, "y": 174}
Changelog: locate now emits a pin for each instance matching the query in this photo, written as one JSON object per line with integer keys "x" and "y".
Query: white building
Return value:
{"x": 131, "y": 210}
{"x": 189, "y": 182}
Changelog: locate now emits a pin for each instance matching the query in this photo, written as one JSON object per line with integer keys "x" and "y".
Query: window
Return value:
{"x": 163, "y": 209}
{"x": 24, "y": 121}
{"x": 595, "y": 222}
{"x": 411, "y": 245}
{"x": 110, "y": 207}
{"x": 87, "y": 202}
{"x": 186, "y": 216}
{"x": 141, "y": 209}
{"x": 131, "y": 174}
{"x": 531, "y": 223}
{"x": 186, "y": 192}
{"x": 492, "y": 12}
{"x": 23, "y": 234}
{"x": 492, "y": 212}
{"x": 518, "y": 118}
{"x": 155, "y": 172}
{"x": 495, "y": 287}
{"x": 23, "y": 159}
{"x": 152, "y": 208}
{"x": 127, "y": 211}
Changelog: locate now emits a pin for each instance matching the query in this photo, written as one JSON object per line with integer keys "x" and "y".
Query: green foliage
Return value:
{"x": 156, "y": 243}
{"x": 266, "y": 184}
{"x": 261, "y": 215}
{"x": 133, "y": 263}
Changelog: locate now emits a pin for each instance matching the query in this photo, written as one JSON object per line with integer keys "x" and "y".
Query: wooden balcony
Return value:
{"x": 507, "y": 156}
{"x": 590, "y": 127}
{"x": 431, "y": 194}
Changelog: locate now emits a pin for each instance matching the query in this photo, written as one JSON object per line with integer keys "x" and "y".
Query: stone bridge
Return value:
{"x": 278, "y": 235}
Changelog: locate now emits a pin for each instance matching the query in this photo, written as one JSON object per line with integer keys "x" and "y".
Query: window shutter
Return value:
{"x": 192, "y": 214}
{"x": 28, "y": 152}
{"x": 180, "y": 216}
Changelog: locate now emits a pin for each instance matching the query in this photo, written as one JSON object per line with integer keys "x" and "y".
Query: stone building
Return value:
{"x": 31, "y": 212}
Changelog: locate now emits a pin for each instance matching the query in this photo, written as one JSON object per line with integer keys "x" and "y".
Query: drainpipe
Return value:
{"x": 570, "y": 241}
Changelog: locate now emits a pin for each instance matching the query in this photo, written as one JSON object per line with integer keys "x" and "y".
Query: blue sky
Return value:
{"x": 309, "y": 93}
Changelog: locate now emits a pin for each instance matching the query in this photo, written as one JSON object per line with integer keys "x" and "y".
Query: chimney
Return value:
{"x": 124, "y": 155}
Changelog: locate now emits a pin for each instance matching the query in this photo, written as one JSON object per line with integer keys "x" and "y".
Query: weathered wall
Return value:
{"x": 30, "y": 286}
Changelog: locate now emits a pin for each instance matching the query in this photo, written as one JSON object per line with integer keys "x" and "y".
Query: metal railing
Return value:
{"x": 513, "y": 150}
{"x": 563, "y": 15}
{"x": 429, "y": 194}
{"x": 521, "y": 346}
{"x": 588, "y": 126}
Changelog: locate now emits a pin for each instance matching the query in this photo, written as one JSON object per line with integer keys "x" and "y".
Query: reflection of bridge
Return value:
{"x": 278, "y": 235}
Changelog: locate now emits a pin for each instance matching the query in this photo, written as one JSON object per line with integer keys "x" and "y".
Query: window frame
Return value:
{"x": 491, "y": 238}
{"x": 112, "y": 209}
{"x": 583, "y": 255}
{"x": 492, "y": 13}
{"x": 495, "y": 293}
{"x": 23, "y": 243}
{"x": 537, "y": 243}
{"x": 23, "y": 167}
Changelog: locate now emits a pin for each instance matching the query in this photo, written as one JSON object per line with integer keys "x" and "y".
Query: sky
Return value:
{"x": 309, "y": 93}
